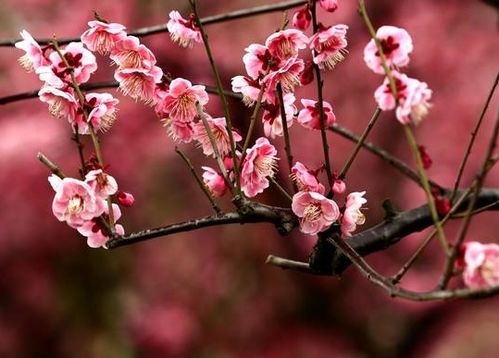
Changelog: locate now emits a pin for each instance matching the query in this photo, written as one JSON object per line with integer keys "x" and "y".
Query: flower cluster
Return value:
{"x": 411, "y": 97}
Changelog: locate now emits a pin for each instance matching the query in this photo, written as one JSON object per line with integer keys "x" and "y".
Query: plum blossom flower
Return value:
{"x": 139, "y": 83}
{"x": 302, "y": 18}
{"x": 62, "y": 104}
{"x": 180, "y": 102}
{"x": 339, "y": 186}
{"x": 481, "y": 265}
{"x": 218, "y": 128}
{"x": 34, "y": 56}
{"x": 101, "y": 37}
{"x": 256, "y": 60}
{"x": 329, "y": 44}
{"x": 249, "y": 88}
{"x": 130, "y": 53}
{"x": 309, "y": 116}
{"x": 101, "y": 183}
{"x": 272, "y": 119}
{"x": 352, "y": 215}
{"x": 329, "y": 5}
{"x": 396, "y": 44}
{"x": 125, "y": 199}
{"x": 315, "y": 211}
{"x": 214, "y": 181}
{"x": 182, "y": 31}
{"x": 412, "y": 95}
{"x": 306, "y": 179}
{"x": 178, "y": 130}
{"x": 286, "y": 43}
{"x": 260, "y": 162}
{"x": 75, "y": 201}
{"x": 91, "y": 229}
{"x": 102, "y": 110}
{"x": 287, "y": 72}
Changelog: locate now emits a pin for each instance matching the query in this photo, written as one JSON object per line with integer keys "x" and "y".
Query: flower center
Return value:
{"x": 312, "y": 212}
{"x": 76, "y": 205}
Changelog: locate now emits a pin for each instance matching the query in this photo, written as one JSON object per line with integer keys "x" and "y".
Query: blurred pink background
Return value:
{"x": 208, "y": 293}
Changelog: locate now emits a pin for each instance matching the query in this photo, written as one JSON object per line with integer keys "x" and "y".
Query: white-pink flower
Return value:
{"x": 481, "y": 265}
{"x": 315, "y": 211}
{"x": 306, "y": 179}
{"x": 302, "y": 18}
{"x": 249, "y": 88}
{"x": 101, "y": 37}
{"x": 130, "y": 53}
{"x": 182, "y": 31}
{"x": 214, "y": 181}
{"x": 396, "y": 44}
{"x": 102, "y": 110}
{"x": 309, "y": 116}
{"x": 96, "y": 236}
{"x": 62, "y": 104}
{"x": 101, "y": 183}
{"x": 34, "y": 56}
{"x": 180, "y": 102}
{"x": 286, "y": 43}
{"x": 75, "y": 201}
{"x": 139, "y": 83}
{"x": 218, "y": 127}
{"x": 329, "y": 5}
{"x": 287, "y": 72}
{"x": 179, "y": 130}
{"x": 272, "y": 119}
{"x": 260, "y": 162}
{"x": 329, "y": 44}
{"x": 256, "y": 60}
{"x": 352, "y": 216}
{"x": 339, "y": 186}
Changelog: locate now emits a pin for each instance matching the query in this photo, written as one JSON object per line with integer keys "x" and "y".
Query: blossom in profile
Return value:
{"x": 352, "y": 216}
{"x": 339, "y": 186}
{"x": 309, "y": 116}
{"x": 272, "y": 118}
{"x": 125, "y": 199}
{"x": 101, "y": 183}
{"x": 75, "y": 202}
{"x": 306, "y": 179}
{"x": 95, "y": 234}
{"x": 180, "y": 102}
{"x": 329, "y": 44}
{"x": 101, "y": 37}
{"x": 286, "y": 72}
{"x": 396, "y": 44}
{"x": 302, "y": 19}
{"x": 182, "y": 31}
{"x": 130, "y": 53}
{"x": 214, "y": 181}
{"x": 329, "y": 5}
{"x": 178, "y": 130}
{"x": 218, "y": 127}
{"x": 139, "y": 83}
{"x": 259, "y": 164}
{"x": 286, "y": 43}
{"x": 34, "y": 56}
{"x": 62, "y": 103}
{"x": 101, "y": 110}
{"x": 256, "y": 60}
{"x": 481, "y": 265}
{"x": 315, "y": 212}
{"x": 248, "y": 87}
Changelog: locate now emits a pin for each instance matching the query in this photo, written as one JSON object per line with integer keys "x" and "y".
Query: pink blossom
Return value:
{"x": 396, "y": 44}
{"x": 75, "y": 201}
{"x": 62, "y": 104}
{"x": 249, "y": 88}
{"x": 329, "y": 5}
{"x": 218, "y": 128}
{"x": 130, "y": 53}
{"x": 286, "y": 43}
{"x": 352, "y": 215}
{"x": 339, "y": 186}
{"x": 34, "y": 56}
{"x": 180, "y": 102}
{"x": 287, "y": 72}
{"x": 101, "y": 37}
{"x": 179, "y": 130}
{"x": 309, "y": 116}
{"x": 256, "y": 60}
{"x": 272, "y": 119}
{"x": 214, "y": 181}
{"x": 91, "y": 229}
{"x": 101, "y": 183}
{"x": 306, "y": 179}
{"x": 315, "y": 211}
{"x": 125, "y": 199}
{"x": 329, "y": 44}
{"x": 302, "y": 18}
{"x": 481, "y": 265}
{"x": 260, "y": 163}
{"x": 412, "y": 95}
{"x": 184, "y": 32}
{"x": 102, "y": 110}
{"x": 139, "y": 83}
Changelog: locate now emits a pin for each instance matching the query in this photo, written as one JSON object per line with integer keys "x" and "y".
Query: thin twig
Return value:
{"x": 253, "y": 118}
{"x": 286, "y": 264}
{"x": 49, "y": 164}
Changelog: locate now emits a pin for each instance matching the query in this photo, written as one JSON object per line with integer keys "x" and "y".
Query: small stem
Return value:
{"x": 360, "y": 143}
{"x": 49, "y": 164}
{"x": 80, "y": 150}
{"x": 221, "y": 94}
{"x": 426, "y": 186}
{"x": 281, "y": 189}
{"x": 253, "y": 117}
{"x": 203, "y": 187}
{"x": 287, "y": 144}
{"x": 288, "y": 264}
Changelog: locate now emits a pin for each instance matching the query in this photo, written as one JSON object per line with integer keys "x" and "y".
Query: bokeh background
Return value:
{"x": 208, "y": 293}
